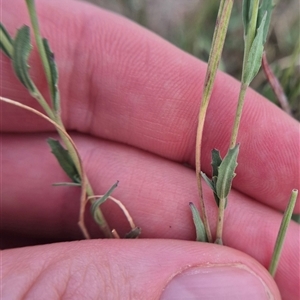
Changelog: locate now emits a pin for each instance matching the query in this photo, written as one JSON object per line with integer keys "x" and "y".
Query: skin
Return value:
{"x": 130, "y": 101}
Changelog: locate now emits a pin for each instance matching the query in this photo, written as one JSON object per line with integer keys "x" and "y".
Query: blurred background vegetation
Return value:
{"x": 189, "y": 24}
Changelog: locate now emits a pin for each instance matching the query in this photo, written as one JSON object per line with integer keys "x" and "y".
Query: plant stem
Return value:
{"x": 249, "y": 37}
{"x": 213, "y": 63}
{"x": 220, "y": 224}
{"x": 38, "y": 39}
{"x": 6, "y": 41}
{"x": 282, "y": 233}
{"x": 56, "y": 117}
{"x": 101, "y": 219}
{"x": 238, "y": 115}
{"x": 41, "y": 100}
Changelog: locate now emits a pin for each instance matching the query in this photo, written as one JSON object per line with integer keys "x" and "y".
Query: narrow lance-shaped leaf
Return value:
{"x": 216, "y": 160}
{"x": 64, "y": 159}
{"x": 212, "y": 184}
{"x": 246, "y": 12}
{"x": 6, "y": 41}
{"x": 265, "y": 7}
{"x": 217, "y": 199}
{"x": 282, "y": 232}
{"x": 255, "y": 54}
{"x": 98, "y": 202}
{"x": 226, "y": 172}
{"x": 208, "y": 181}
{"x": 200, "y": 230}
{"x": 54, "y": 77}
{"x": 21, "y": 52}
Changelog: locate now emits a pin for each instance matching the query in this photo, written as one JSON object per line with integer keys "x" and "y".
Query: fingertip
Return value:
{"x": 135, "y": 269}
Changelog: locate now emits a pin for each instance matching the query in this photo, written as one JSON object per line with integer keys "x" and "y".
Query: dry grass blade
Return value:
{"x": 122, "y": 207}
{"x": 213, "y": 63}
{"x": 81, "y": 170}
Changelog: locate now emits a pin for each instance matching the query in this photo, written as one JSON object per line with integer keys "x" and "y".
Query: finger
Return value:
{"x": 149, "y": 269}
{"x": 121, "y": 82}
{"x": 155, "y": 191}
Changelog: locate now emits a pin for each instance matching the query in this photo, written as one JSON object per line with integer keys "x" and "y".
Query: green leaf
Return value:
{"x": 266, "y": 6}
{"x": 226, "y": 172}
{"x": 200, "y": 230}
{"x": 20, "y": 55}
{"x": 246, "y": 12}
{"x": 134, "y": 233}
{"x": 216, "y": 161}
{"x": 214, "y": 180}
{"x": 95, "y": 205}
{"x": 64, "y": 159}
{"x": 255, "y": 54}
{"x": 53, "y": 75}
{"x": 6, "y": 41}
{"x": 282, "y": 232}
{"x": 212, "y": 184}
{"x": 208, "y": 181}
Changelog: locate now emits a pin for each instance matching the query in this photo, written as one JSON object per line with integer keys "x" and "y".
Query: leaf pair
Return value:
{"x": 256, "y": 26}
{"x": 222, "y": 176}
{"x": 222, "y": 173}
{"x": 18, "y": 51}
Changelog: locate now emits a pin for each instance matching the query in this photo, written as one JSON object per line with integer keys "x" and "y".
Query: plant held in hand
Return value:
{"x": 256, "y": 19}
{"x": 18, "y": 50}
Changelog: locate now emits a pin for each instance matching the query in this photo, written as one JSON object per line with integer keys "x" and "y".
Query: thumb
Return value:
{"x": 133, "y": 269}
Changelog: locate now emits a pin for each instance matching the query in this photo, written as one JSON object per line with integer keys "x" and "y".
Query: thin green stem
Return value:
{"x": 56, "y": 117}
{"x": 213, "y": 63}
{"x": 238, "y": 115}
{"x": 220, "y": 223}
{"x": 249, "y": 37}
{"x": 41, "y": 100}
{"x": 38, "y": 39}
{"x": 101, "y": 219}
{"x": 282, "y": 232}
{"x": 6, "y": 42}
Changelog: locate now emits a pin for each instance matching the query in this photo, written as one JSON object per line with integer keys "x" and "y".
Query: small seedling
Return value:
{"x": 18, "y": 50}
{"x": 256, "y": 19}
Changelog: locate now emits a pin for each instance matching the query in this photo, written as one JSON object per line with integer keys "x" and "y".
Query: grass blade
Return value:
{"x": 282, "y": 232}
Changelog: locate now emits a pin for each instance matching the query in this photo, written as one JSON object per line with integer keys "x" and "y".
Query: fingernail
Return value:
{"x": 217, "y": 282}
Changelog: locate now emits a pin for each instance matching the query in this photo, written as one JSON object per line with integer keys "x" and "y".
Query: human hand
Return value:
{"x": 131, "y": 100}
